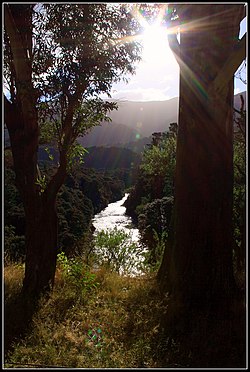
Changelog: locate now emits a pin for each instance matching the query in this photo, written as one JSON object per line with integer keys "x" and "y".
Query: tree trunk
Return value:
{"x": 197, "y": 267}
{"x": 41, "y": 248}
{"x": 21, "y": 120}
{"x": 40, "y": 205}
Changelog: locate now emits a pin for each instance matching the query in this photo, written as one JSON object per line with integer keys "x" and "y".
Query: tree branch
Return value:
{"x": 230, "y": 66}
{"x": 22, "y": 67}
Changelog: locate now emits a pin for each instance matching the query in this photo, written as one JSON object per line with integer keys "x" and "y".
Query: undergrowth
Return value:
{"x": 106, "y": 321}
{"x": 100, "y": 319}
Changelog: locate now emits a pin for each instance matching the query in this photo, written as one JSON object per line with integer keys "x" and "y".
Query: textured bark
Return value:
{"x": 197, "y": 267}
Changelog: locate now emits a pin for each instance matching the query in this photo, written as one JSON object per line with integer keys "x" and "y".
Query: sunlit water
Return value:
{"x": 113, "y": 216}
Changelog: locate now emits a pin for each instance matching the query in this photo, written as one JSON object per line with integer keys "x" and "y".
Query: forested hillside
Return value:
{"x": 85, "y": 193}
{"x": 110, "y": 158}
{"x": 97, "y": 157}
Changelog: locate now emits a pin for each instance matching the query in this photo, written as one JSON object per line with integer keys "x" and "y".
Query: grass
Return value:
{"x": 110, "y": 326}
{"x": 115, "y": 323}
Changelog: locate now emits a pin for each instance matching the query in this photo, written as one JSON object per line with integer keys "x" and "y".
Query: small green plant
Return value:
{"x": 42, "y": 183}
{"x": 77, "y": 273}
{"x": 116, "y": 249}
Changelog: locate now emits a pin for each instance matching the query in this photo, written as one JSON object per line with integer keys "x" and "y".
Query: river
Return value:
{"x": 113, "y": 216}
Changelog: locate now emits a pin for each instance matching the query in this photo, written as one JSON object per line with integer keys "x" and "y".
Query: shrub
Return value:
{"x": 77, "y": 273}
{"x": 116, "y": 249}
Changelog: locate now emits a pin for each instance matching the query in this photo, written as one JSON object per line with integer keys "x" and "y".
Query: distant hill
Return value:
{"x": 138, "y": 145}
{"x": 147, "y": 117}
{"x": 110, "y": 158}
{"x": 134, "y": 122}
{"x": 109, "y": 134}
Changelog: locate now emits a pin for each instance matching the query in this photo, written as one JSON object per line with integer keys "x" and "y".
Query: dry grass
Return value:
{"x": 116, "y": 324}
{"x": 109, "y": 327}
{"x": 13, "y": 276}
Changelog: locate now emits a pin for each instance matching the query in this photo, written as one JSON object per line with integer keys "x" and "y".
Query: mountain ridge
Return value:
{"x": 134, "y": 122}
{"x": 142, "y": 118}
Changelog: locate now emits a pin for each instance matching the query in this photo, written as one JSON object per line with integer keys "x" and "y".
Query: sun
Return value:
{"x": 156, "y": 50}
{"x": 154, "y": 40}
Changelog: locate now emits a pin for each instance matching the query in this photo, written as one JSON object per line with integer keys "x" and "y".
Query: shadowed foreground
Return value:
{"x": 116, "y": 322}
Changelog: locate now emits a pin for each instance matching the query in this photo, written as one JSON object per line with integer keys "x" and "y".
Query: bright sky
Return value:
{"x": 157, "y": 75}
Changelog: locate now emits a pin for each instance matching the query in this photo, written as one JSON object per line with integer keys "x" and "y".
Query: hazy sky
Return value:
{"x": 157, "y": 75}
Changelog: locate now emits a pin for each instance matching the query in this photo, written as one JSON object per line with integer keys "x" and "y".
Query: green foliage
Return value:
{"x": 75, "y": 212}
{"x": 99, "y": 187}
{"x": 77, "y": 59}
{"x": 163, "y": 156}
{"x": 158, "y": 163}
{"x": 115, "y": 249}
{"x": 78, "y": 52}
{"x": 14, "y": 245}
{"x": 154, "y": 223}
{"x": 155, "y": 178}
{"x": 48, "y": 132}
{"x": 86, "y": 192}
{"x": 88, "y": 48}
{"x": 42, "y": 183}
{"x": 239, "y": 194}
{"x": 78, "y": 274}
{"x": 51, "y": 157}
{"x": 153, "y": 256}
{"x": 150, "y": 201}
{"x": 76, "y": 154}
{"x": 91, "y": 113}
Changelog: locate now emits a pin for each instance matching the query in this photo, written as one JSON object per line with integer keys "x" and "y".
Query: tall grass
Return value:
{"x": 108, "y": 326}
{"x": 107, "y": 320}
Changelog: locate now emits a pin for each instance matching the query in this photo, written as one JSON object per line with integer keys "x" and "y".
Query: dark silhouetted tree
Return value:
{"x": 58, "y": 59}
{"x": 197, "y": 269}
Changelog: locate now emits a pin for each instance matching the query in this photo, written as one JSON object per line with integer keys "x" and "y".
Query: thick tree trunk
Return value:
{"x": 197, "y": 267}
{"x": 41, "y": 249}
{"x": 202, "y": 253}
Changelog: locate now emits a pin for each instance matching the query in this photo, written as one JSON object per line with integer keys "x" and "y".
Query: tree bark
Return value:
{"x": 197, "y": 267}
{"x": 41, "y": 248}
